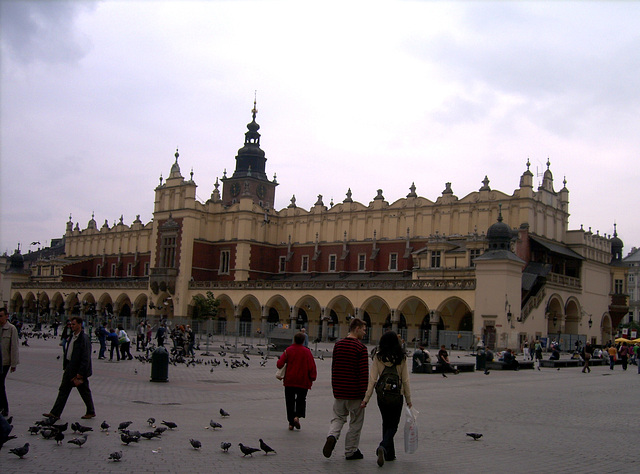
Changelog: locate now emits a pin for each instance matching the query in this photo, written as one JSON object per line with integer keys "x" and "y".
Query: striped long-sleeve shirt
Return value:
{"x": 349, "y": 369}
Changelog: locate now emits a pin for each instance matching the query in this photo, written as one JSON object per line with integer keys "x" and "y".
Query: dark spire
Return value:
{"x": 251, "y": 158}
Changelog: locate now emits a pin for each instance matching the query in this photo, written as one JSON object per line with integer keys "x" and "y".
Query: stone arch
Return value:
{"x": 17, "y": 303}
{"x": 378, "y": 310}
{"x": 572, "y": 318}
{"x": 414, "y": 310}
{"x": 306, "y": 309}
{"x": 140, "y": 306}
{"x": 606, "y": 329}
{"x": 277, "y": 310}
{"x": 452, "y": 311}
{"x": 123, "y": 305}
{"x": 72, "y": 303}
{"x": 57, "y": 304}
{"x": 105, "y": 305}
{"x": 554, "y": 314}
{"x": 249, "y": 310}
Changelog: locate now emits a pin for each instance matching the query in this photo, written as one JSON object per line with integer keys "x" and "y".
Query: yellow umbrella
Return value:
{"x": 622, "y": 339}
{"x": 636, "y": 341}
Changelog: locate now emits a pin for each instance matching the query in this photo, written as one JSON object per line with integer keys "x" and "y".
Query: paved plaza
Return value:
{"x": 532, "y": 421}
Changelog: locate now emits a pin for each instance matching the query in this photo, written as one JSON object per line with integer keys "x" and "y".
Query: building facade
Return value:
{"x": 491, "y": 266}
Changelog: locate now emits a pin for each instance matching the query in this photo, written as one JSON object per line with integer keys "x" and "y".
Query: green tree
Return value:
{"x": 205, "y": 307}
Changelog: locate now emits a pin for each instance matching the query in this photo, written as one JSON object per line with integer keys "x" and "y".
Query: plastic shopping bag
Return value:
{"x": 410, "y": 430}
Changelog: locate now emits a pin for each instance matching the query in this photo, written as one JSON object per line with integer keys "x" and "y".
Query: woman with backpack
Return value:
{"x": 389, "y": 375}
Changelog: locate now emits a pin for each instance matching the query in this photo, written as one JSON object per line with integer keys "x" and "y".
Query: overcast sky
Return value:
{"x": 96, "y": 96}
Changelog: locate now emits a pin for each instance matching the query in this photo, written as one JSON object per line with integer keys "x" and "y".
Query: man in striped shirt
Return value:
{"x": 349, "y": 378}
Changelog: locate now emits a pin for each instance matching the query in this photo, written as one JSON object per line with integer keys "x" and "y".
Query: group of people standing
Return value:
{"x": 353, "y": 383}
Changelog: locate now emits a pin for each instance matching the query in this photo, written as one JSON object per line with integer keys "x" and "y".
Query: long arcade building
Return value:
{"x": 491, "y": 266}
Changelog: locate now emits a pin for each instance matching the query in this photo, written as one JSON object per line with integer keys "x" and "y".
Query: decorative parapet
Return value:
{"x": 107, "y": 285}
{"x": 563, "y": 280}
{"x": 467, "y": 284}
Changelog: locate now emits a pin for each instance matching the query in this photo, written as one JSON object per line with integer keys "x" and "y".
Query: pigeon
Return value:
{"x": 5, "y": 438}
{"x": 124, "y": 425}
{"x": 246, "y": 450}
{"x": 116, "y": 456}
{"x": 82, "y": 429}
{"x": 126, "y": 439}
{"x": 74, "y": 427}
{"x": 34, "y": 429}
{"x": 61, "y": 428}
{"x": 59, "y": 437}
{"x": 151, "y": 421}
{"x": 475, "y": 436}
{"x": 169, "y": 424}
{"x": 223, "y": 413}
{"x": 150, "y": 435}
{"x": 20, "y": 451}
{"x": 215, "y": 425}
{"x": 266, "y": 448}
{"x": 225, "y": 446}
{"x": 195, "y": 443}
{"x": 48, "y": 433}
{"x": 104, "y": 426}
{"x": 160, "y": 429}
{"x": 79, "y": 441}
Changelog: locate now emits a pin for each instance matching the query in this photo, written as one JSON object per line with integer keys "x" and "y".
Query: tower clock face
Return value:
{"x": 262, "y": 191}
{"x": 235, "y": 189}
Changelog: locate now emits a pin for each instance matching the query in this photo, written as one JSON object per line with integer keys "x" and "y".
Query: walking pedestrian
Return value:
{"x": 9, "y": 349}
{"x": 538, "y": 353}
{"x": 613, "y": 352}
{"x": 102, "y": 338}
{"x": 113, "y": 338}
{"x": 298, "y": 378}
{"x": 125, "y": 343}
{"x": 587, "y": 353}
{"x": 77, "y": 370}
{"x": 349, "y": 379}
{"x": 391, "y": 359}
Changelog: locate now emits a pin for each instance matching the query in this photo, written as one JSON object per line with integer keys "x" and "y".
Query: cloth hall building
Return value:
{"x": 491, "y": 266}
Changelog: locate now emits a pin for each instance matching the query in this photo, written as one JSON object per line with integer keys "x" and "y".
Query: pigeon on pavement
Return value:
{"x": 59, "y": 437}
{"x": 116, "y": 456}
{"x": 214, "y": 424}
{"x": 104, "y": 426}
{"x": 20, "y": 451}
{"x": 151, "y": 421}
{"x": 223, "y": 413}
{"x": 124, "y": 425}
{"x": 225, "y": 446}
{"x": 246, "y": 450}
{"x": 195, "y": 443}
{"x": 169, "y": 424}
{"x": 475, "y": 436}
{"x": 266, "y": 448}
{"x": 79, "y": 441}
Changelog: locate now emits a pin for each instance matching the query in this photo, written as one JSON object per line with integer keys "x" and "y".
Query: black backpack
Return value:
{"x": 389, "y": 386}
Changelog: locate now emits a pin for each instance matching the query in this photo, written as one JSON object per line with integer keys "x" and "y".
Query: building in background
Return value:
{"x": 491, "y": 266}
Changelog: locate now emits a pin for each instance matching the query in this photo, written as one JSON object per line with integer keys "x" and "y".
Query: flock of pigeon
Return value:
{"x": 49, "y": 430}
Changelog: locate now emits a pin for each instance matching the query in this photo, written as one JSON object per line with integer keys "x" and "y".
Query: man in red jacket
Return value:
{"x": 300, "y": 374}
{"x": 349, "y": 378}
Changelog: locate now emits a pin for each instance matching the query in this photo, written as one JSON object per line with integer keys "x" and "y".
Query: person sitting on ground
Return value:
{"x": 443, "y": 360}
{"x": 555, "y": 353}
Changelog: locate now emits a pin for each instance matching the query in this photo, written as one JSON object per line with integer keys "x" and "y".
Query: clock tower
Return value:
{"x": 249, "y": 178}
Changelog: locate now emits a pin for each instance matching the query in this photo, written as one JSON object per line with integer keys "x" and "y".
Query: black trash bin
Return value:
{"x": 160, "y": 365}
{"x": 481, "y": 359}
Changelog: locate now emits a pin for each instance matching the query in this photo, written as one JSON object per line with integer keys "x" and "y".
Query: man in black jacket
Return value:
{"x": 77, "y": 370}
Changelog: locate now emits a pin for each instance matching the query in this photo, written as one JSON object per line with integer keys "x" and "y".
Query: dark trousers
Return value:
{"x": 390, "y": 419}
{"x": 103, "y": 348}
{"x": 296, "y": 401}
{"x": 4, "y": 403}
{"x": 65, "y": 390}
{"x": 125, "y": 350}
{"x": 114, "y": 346}
{"x": 624, "y": 360}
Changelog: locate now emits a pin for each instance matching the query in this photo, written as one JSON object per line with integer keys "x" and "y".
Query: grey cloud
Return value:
{"x": 566, "y": 62}
{"x": 43, "y": 30}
